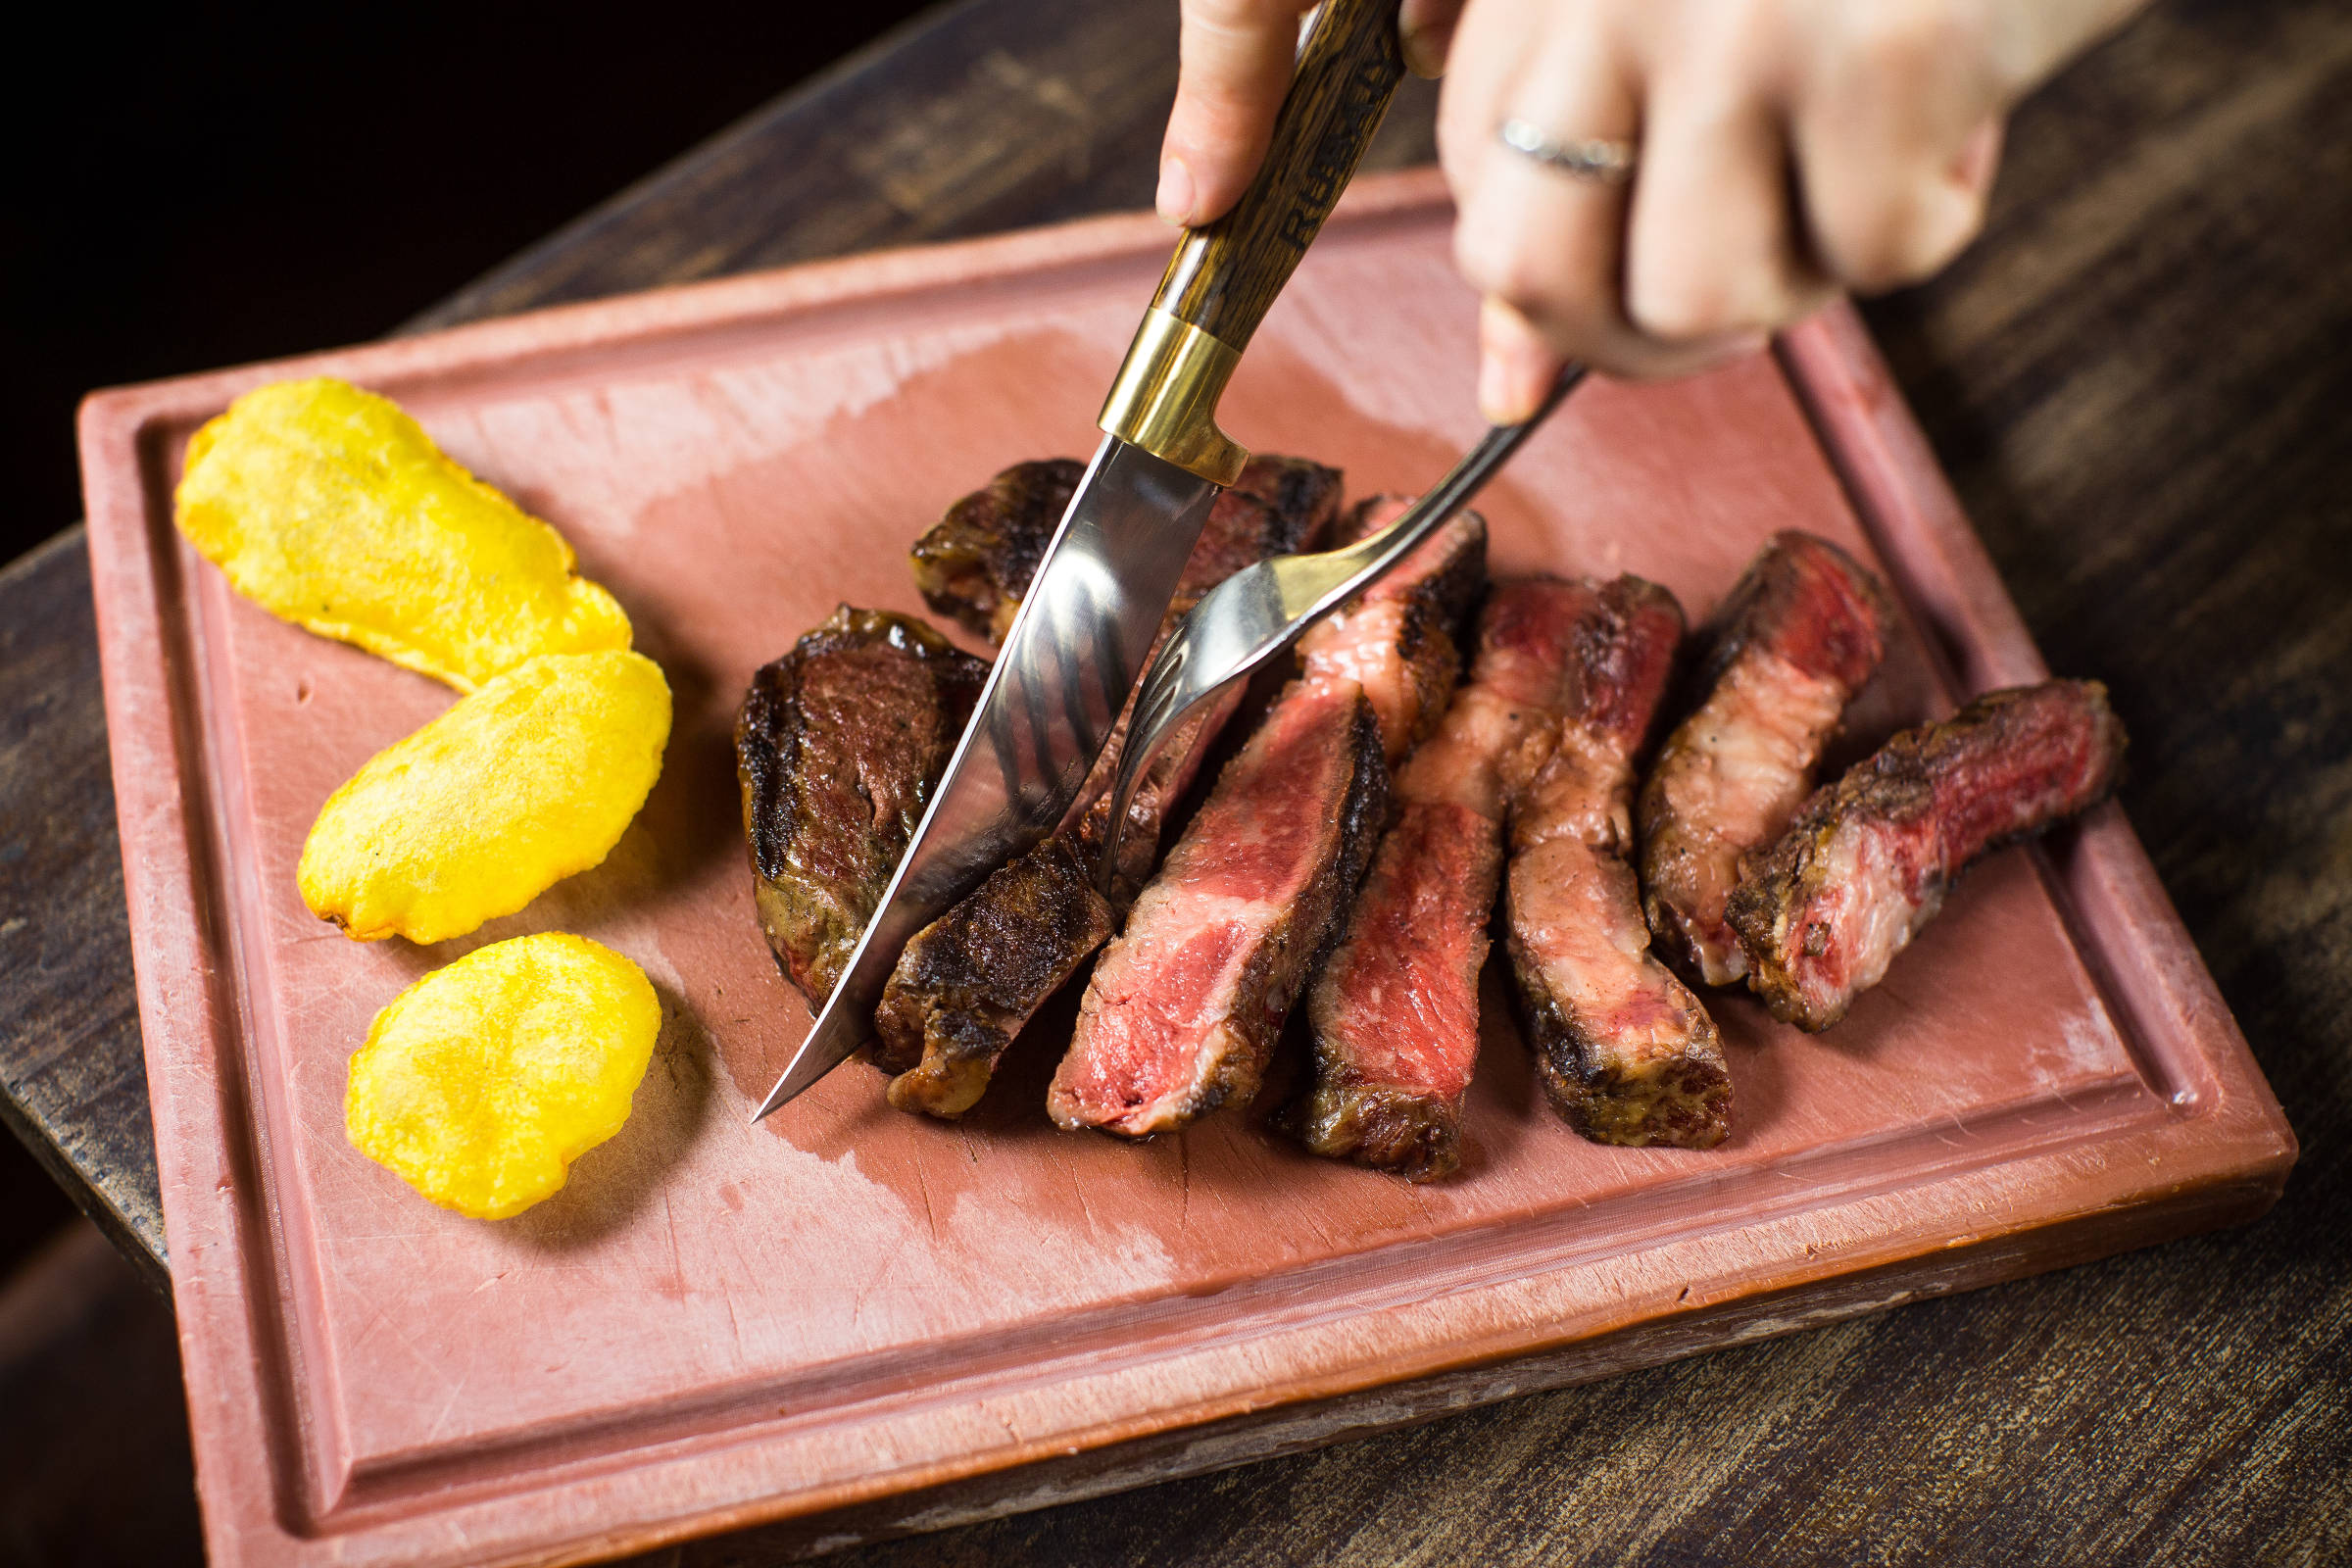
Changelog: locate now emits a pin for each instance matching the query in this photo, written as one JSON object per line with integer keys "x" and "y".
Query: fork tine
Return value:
{"x": 1148, "y": 729}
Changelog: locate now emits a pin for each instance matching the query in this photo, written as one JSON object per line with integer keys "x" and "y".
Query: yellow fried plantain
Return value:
{"x": 528, "y": 781}
{"x": 481, "y": 1083}
{"x": 330, "y": 508}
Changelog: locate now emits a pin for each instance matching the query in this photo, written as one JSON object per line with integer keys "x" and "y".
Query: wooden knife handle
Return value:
{"x": 1224, "y": 276}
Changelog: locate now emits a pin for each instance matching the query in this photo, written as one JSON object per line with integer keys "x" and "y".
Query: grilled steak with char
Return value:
{"x": 1184, "y": 1009}
{"x": 1626, "y": 1053}
{"x": 1395, "y": 1014}
{"x": 976, "y": 563}
{"x": 969, "y": 981}
{"x": 1398, "y": 638}
{"x": 838, "y": 747}
{"x": 1798, "y": 636}
{"x": 1869, "y": 860}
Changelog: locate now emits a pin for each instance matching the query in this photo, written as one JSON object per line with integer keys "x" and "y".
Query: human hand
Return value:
{"x": 1785, "y": 149}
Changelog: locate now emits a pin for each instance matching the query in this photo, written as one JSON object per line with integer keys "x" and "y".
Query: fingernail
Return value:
{"x": 1424, "y": 50}
{"x": 1491, "y": 386}
{"x": 1515, "y": 365}
{"x": 1501, "y": 388}
{"x": 1175, "y": 198}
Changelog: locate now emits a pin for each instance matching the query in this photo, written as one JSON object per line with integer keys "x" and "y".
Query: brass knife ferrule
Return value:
{"x": 1165, "y": 397}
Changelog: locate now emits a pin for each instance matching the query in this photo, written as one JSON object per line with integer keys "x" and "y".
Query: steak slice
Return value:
{"x": 1568, "y": 680}
{"x": 1184, "y": 1009}
{"x": 975, "y": 563}
{"x": 1395, "y": 1014}
{"x": 1798, "y": 636}
{"x": 1869, "y": 860}
{"x": 1303, "y": 496}
{"x": 970, "y": 981}
{"x": 1296, "y": 488}
{"x": 837, "y": 749}
{"x": 1618, "y": 664}
{"x": 1396, "y": 638}
{"x": 1626, "y": 1053}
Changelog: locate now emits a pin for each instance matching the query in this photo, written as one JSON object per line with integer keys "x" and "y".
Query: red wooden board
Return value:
{"x": 718, "y": 1322}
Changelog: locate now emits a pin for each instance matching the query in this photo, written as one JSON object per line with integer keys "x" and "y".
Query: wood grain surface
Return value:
{"x": 72, "y": 1080}
{"x": 2139, "y": 381}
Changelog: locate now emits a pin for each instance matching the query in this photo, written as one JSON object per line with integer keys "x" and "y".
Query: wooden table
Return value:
{"x": 2140, "y": 380}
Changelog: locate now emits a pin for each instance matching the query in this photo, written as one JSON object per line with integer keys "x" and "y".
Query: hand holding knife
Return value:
{"x": 1076, "y": 648}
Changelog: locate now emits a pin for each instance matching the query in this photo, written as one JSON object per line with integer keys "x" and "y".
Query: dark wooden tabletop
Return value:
{"x": 2140, "y": 380}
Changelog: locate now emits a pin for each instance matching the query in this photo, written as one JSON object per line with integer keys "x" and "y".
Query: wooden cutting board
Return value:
{"x": 863, "y": 1320}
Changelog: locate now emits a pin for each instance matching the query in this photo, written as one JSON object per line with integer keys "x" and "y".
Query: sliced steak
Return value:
{"x": 975, "y": 563}
{"x": 1626, "y": 1053}
{"x": 970, "y": 982}
{"x": 1619, "y": 661}
{"x": 1396, "y": 645}
{"x": 1397, "y": 638}
{"x": 1395, "y": 1014}
{"x": 1869, "y": 860}
{"x": 1296, "y": 488}
{"x": 1568, "y": 679}
{"x": 1303, "y": 496}
{"x": 837, "y": 748}
{"x": 1798, "y": 636}
{"x": 970, "y": 979}
{"x": 1184, "y": 1009}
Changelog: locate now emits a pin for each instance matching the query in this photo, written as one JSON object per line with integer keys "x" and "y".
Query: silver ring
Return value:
{"x": 1595, "y": 158}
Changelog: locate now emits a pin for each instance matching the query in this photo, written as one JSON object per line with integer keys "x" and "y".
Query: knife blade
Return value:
{"x": 1077, "y": 645}
{"x": 1095, "y": 604}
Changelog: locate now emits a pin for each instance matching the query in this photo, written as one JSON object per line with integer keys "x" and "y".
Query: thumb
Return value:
{"x": 1234, "y": 66}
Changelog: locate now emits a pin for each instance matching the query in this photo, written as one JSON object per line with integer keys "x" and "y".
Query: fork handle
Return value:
{"x": 1225, "y": 275}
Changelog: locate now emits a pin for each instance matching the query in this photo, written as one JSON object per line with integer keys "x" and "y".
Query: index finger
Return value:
{"x": 1234, "y": 66}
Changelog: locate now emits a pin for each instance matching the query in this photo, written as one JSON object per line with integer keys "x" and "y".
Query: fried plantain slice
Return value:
{"x": 330, "y": 508}
{"x": 528, "y": 781}
{"x": 481, "y": 1083}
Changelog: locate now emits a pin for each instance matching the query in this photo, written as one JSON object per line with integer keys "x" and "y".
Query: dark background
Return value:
{"x": 208, "y": 184}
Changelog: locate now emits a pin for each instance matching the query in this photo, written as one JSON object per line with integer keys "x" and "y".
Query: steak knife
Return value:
{"x": 1078, "y": 641}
